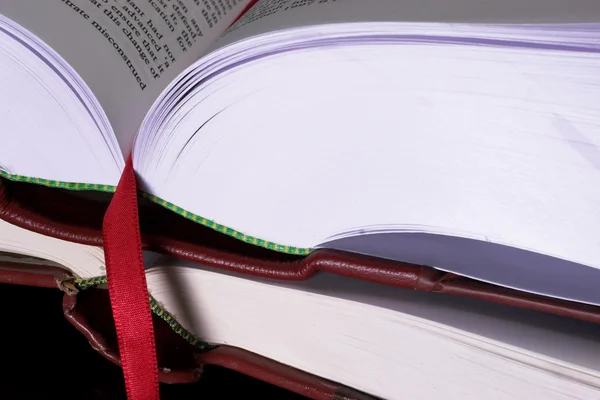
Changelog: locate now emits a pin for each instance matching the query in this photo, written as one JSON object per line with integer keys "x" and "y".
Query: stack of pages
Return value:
{"x": 460, "y": 135}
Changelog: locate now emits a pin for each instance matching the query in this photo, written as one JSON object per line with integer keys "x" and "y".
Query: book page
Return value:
{"x": 272, "y": 15}
{"x": 127, "y": 51}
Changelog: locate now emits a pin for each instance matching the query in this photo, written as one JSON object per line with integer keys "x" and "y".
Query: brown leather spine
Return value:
{"x": 67, "y": 216}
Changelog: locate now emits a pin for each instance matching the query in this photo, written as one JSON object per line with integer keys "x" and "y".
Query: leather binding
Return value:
{"x": 89, "y": 312}
{"x": 38, "y": 275}
{"x": 179, "y": 362}
{"x": 77, "y": 217}
{"x": 277, "y": 374}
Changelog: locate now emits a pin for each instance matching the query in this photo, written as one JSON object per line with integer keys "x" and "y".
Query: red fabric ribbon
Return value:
{"x": 128, "y": 290}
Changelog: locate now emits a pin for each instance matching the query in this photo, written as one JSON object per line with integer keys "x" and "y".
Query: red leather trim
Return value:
{"x": 465, "y": 287}
{"x": 80, "y": 323}
{"x": 89, "y": 313}
{"x": 67, "y": 216}
{"x": 278, "y": 374}
{"x": 32, "y": 213}
{"x": 102, "y": 343}
{"x": 17, "y": 273}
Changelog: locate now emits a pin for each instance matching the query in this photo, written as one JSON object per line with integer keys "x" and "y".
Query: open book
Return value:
{"x": 389, "y": 343}
{"x": 459, "y": 134}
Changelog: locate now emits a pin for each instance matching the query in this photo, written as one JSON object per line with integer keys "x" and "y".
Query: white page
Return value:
{"x": 98, "y": 39}
{"x": 380, "y": 139}
{"x": 377, "y": 338}
{"x": 272, "y": 15}
{"x": 83, "y": 260}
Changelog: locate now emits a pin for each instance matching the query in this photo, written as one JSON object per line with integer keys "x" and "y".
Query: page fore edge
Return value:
{"x": 169, "y": 206}
{"x": 157, "y": 309}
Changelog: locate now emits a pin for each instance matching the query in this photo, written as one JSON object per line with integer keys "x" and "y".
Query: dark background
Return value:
{"x": 44, "y": 357}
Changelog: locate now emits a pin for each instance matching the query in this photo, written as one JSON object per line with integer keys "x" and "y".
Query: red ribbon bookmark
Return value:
{"x": 128, "y": 290}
